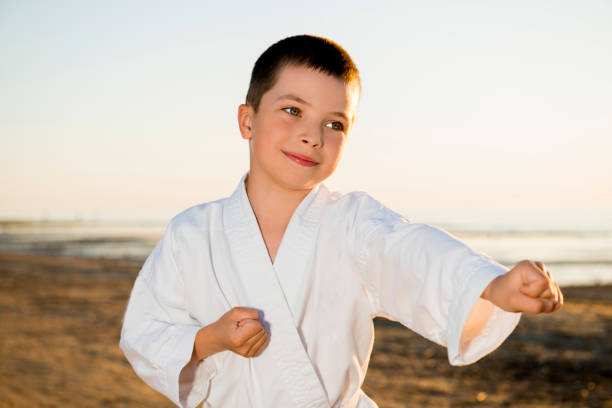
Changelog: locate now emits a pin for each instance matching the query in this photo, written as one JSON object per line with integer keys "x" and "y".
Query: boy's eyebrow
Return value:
{"x": 302, "y": 101}
{"x": 294, "y": 98}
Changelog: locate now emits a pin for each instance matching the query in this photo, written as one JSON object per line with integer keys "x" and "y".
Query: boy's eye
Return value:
{"x": 292, "y": 111}
{"x": 335, "y": 126}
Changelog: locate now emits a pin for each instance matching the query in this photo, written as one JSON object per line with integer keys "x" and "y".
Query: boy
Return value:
{"x": 266, "y": 298}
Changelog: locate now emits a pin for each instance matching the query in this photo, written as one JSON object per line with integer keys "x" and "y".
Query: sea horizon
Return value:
{"x": 575, "y": 244}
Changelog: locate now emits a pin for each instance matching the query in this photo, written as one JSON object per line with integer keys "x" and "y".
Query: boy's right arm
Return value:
{"x": 161, "y": 339}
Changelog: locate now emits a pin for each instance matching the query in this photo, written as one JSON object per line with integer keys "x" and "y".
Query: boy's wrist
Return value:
{"x": 486, "y": 293}
{"x": 206, "y": 342}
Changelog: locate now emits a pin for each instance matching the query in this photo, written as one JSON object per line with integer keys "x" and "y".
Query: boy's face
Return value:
{"x": 297, "y": 136}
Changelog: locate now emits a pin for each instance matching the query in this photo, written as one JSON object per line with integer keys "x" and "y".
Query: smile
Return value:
{"x": 301, "y": 159}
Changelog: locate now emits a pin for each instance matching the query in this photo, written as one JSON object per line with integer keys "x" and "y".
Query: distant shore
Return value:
{"x": 60, "y": 321}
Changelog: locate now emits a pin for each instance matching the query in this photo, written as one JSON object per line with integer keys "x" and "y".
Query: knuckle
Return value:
{"x": 538, "y": 308}
{"x": 541, "y": 279}
{"x": 544, "y": 307}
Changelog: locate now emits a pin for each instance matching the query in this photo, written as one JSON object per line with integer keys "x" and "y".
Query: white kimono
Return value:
{"x": 343, "y": 260}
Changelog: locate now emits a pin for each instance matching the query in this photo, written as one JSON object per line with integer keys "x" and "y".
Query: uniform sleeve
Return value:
{"x": 158, "y": 333}
{"x": 429, "y": 281}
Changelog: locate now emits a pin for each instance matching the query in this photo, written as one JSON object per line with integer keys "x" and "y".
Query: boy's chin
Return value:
{"x": 290, "y": 181}
{"x": 302, "y": 186}
{"x": 298, "y": 184}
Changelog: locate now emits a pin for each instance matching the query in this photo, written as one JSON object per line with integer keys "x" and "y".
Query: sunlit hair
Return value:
{"x": 317, "y": 53}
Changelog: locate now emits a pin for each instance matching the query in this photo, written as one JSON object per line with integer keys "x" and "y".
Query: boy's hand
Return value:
{"x": 528, "y": 287}
{"x": 238, "y": 330}
{"x": 241, "y": 332}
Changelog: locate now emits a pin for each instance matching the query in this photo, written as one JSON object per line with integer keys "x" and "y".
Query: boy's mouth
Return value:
{"x": 301, "y": 159}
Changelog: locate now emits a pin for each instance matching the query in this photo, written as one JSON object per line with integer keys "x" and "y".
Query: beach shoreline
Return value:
{"x": 61, "y": 321}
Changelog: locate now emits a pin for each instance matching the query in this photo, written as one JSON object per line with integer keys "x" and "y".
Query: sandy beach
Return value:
{"x": 60, "y": 321}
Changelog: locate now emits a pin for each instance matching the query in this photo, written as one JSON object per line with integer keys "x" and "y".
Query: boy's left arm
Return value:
{"x": 528, "y": 287}
{"x": 436, "y": 285}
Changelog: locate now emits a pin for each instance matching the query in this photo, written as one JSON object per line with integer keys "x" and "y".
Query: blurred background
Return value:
{"x": 492, "y": 120}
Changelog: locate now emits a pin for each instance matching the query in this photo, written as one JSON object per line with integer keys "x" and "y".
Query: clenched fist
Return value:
{"x": 241, "y": 332}
{"x": 238, "y": 330}
{"x": 528, "y": 287}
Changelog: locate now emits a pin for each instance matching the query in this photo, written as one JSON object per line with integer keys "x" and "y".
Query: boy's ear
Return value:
{"x": 245, "y": 120}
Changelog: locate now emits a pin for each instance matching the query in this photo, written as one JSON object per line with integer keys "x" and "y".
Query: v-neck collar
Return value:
{"x": 240, "y": 215}
{"x": 275, "y": 289}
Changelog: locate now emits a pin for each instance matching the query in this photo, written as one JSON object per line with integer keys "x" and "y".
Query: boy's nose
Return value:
{"x": 312, "y": 136}
{"x": 307, "y": 141}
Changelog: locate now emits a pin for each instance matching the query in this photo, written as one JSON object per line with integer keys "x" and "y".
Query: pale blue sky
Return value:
{"x": 129, "y": 107}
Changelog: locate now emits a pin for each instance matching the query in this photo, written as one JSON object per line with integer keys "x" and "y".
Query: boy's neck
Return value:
{"x": 273, "y": 207}
{"x": 272, "y": 204}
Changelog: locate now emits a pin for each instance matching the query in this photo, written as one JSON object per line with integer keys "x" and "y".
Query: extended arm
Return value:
{"x": 431, "y": 282}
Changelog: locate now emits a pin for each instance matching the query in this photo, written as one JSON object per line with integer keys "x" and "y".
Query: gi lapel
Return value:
{"x": 264, "y": 291}
{"x": 294, "y": 256}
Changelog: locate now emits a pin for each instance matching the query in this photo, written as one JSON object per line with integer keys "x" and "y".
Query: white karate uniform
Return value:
{"x": 343, "y": 260}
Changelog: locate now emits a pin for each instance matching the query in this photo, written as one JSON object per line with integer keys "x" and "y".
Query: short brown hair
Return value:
{"x": 318, "y": 53}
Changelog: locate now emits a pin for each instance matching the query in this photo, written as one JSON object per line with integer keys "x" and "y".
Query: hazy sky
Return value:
{"x": 130, "y": 107}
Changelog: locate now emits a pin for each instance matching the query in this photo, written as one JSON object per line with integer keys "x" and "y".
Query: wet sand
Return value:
{"x": 60, "y": 320}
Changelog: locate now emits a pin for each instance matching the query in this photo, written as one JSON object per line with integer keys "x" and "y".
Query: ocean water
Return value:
{"x": 112, "y": 239}
{"x": 575, "y": 244}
